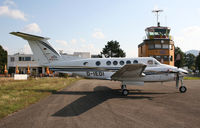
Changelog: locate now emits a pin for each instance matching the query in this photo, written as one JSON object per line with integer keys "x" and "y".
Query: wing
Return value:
{"x": 129, "y": 71}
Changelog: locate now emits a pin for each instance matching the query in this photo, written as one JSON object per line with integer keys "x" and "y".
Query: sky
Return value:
{"x": 87, "y": 25}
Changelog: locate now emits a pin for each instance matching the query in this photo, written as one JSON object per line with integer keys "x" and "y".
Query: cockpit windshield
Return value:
{"x": 156, "y": 62}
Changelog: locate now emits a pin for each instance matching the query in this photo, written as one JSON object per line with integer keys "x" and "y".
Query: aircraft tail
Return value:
{"x": 43, "y": 52}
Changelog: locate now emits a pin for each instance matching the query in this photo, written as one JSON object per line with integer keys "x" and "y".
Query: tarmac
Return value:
{"x": 99, "y": 104}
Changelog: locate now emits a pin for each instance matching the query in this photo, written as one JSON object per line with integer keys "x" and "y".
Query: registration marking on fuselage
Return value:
{"x": 95, "y": 73}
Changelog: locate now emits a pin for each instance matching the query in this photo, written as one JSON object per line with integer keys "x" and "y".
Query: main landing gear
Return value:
{"x": 125, "y": 92}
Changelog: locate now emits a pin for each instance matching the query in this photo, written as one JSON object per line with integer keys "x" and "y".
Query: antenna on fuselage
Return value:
{"x": 157, "y": 15}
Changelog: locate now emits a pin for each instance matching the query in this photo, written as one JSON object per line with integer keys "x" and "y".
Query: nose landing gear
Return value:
{"x": 182, "y": 88}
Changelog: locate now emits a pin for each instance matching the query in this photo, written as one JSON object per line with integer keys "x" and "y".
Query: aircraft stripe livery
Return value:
{"x": 130, "y": 71}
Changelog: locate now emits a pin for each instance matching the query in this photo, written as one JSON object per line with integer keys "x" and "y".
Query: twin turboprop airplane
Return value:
{"x": 130, "y": 71}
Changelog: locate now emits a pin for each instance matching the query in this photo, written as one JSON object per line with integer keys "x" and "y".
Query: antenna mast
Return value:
{"x": 157, "y": 11}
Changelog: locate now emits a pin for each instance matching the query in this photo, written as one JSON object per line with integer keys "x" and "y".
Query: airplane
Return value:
{"x": 129, "y": 71}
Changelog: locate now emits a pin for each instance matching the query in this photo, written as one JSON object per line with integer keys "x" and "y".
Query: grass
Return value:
{"x": 191, "y": 78}
{"x": 16, "y": 95}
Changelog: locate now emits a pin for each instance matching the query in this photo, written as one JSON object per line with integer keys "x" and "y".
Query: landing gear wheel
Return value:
{"x": 125, "y": 92}
{"x": 182, "y": 89}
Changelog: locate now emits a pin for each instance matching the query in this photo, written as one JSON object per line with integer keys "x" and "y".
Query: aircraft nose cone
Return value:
{"x": 183, "y": 71}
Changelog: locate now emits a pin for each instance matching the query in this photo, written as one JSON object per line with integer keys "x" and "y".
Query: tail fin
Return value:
{"x": 42, "y": 50}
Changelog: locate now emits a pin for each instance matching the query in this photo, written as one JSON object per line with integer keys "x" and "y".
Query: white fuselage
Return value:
{"x": 104, "y": 68}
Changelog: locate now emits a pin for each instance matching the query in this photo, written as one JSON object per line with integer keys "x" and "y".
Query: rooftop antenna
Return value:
{"x": 157, "y": 14}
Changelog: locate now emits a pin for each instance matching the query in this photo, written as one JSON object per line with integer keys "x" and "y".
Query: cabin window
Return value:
{"x": 135, "y": 61}
{"x": 108, "y": 63}
{"x": 157, "y": 45}
{"x": 128, "y": 62}
{"x": 121, "y": 62}
{"x": 150, "y": 62}
{"x": 98, "y": 63}
{"x": 115, "y": 62}
{"x": 85, "y": 63}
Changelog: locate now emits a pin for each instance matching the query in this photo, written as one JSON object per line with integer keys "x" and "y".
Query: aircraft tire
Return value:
{"x": 182, "y": 89}
{"x": 125, "y": 92}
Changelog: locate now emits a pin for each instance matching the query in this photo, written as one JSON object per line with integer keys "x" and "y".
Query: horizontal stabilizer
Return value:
{"x": 28, "y": 36}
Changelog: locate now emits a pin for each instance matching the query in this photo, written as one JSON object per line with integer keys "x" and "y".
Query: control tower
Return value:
{"x": 158, "y": 43}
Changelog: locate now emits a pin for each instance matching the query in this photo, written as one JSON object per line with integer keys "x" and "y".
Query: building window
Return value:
{"x": 158, "y": 57}
{"x": 165, "y": 46}
{"x": 12, "y": 59}
{"x": 27, "y": 58}
{"x": 21, "y": 58}
{"x": 98, "y": 63}
{"x": 115, "y": 62}
{"x": 158, "y": 46}
{"x": 166, "y": 58}
{"x": 121, "y": 62}
{"x": 151, "y": 46}
{"x": 108, "y": 63}
{"x": 128, "y": 62}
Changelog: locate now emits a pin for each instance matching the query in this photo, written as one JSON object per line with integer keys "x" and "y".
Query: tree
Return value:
{"x": 190, "y": 61}
{"x": 198, "y": 62}
{"x": 112, "y": 49}
{"x": 3, "y": 59}
{"x": 179, "y": 57}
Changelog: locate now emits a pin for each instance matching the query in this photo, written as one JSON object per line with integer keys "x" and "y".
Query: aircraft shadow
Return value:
{"x": 94, "y": 98}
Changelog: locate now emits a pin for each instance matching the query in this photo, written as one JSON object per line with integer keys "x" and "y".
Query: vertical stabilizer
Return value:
{"x": 43, "y": 52}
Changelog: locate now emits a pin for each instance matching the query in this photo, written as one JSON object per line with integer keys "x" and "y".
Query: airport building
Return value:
{"x": 158, "y": 44}
{"x": 24, "y": 61}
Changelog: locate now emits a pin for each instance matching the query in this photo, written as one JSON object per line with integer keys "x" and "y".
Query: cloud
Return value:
{"x": 5, "y": 48}
{"x": 9, "y": 2}
{"x": 61, "y": 42}
{"x": 198, "y": 11}
{"x": 82, "y": 40}
{"x": 32, "y": 28}
{"x": 98, "y": 35}
{"x": 188, "y": 38}
{"x": 75, "y": 46}
{"x": 13, "y": 13}
{"x": 73, "y": 41}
